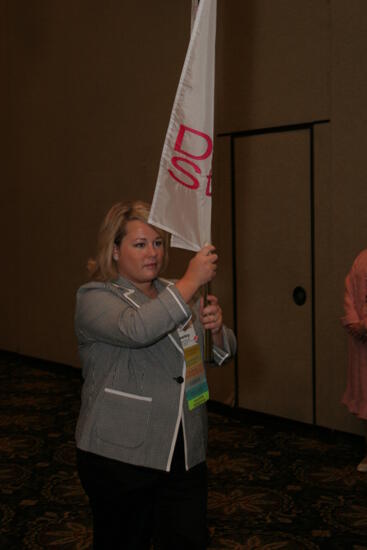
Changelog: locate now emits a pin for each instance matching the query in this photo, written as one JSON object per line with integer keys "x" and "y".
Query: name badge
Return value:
{"x": 196, "y": 387}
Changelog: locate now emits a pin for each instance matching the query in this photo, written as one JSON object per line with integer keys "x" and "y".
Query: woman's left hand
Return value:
{"x": 212, "y": 319}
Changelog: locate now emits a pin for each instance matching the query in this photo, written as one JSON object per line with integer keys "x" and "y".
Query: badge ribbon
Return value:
{"x": 196, "y": 387}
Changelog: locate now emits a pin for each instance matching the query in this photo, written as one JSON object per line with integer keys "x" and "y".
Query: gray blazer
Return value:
{"x": 132, "y": 403}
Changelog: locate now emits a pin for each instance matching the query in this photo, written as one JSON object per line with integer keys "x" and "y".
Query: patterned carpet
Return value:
{"x": 273, "y": 484}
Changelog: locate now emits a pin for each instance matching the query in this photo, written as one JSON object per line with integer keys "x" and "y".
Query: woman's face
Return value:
{"x": 140, "y": 255}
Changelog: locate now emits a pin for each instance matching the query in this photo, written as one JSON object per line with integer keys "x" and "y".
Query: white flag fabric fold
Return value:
{"x": 182, "y": 198}
{"x": 194, "y": 9}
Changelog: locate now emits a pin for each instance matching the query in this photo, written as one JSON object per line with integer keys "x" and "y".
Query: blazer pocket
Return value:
{"x": 124, "y": 418}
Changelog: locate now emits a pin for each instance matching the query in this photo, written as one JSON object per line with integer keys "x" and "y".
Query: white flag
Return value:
{"x": 182, "y": 198}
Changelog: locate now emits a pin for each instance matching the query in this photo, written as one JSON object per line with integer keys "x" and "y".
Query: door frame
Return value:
{"x": 262, "y": 131}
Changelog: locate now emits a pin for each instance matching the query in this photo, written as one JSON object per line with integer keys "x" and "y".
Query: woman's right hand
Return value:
{"x": 201, "y": 270}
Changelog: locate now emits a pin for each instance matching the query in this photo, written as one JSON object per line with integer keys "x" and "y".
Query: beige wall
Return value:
{"x": 273, "y": 63}
{"x": 88, "y": 93}
{"x": 344, "y": 231}
{"x": 283, "y": 63}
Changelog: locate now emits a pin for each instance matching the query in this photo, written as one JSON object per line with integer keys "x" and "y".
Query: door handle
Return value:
{"x": 299, "y": 295}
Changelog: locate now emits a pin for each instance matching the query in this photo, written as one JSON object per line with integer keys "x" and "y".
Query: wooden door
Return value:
{"x": 274, "y": 273}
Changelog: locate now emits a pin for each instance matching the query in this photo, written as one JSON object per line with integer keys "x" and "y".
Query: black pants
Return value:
{"x": 134, "y": 506}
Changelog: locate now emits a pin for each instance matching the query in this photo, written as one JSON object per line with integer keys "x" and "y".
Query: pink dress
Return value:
{"x": 355, "y": 309}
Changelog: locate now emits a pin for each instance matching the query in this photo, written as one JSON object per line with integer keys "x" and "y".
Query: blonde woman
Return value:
{"x": 142, "y": 430}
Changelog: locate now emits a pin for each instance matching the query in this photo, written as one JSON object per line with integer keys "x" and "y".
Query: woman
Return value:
{"x": 142, "y": 429}
{"x": 355, "y": 321}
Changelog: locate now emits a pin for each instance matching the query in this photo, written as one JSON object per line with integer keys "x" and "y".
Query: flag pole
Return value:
{"x": 208, "y": 344}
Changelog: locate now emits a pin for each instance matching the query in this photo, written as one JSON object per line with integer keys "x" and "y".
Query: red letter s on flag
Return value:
{"x": 175, "y": 161}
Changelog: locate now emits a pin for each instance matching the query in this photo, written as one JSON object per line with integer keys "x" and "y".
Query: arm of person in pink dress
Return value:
{"x": 351, "y": 321}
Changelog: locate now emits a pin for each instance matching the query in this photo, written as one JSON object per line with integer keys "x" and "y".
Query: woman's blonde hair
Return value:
{"x": 113, "y": 229}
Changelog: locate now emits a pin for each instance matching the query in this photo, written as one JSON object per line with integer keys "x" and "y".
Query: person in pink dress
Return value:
{"x": 355, "y": 322}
